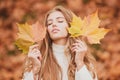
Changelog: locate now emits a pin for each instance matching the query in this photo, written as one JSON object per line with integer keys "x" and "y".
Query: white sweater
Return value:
{"x": 63, "y": 61}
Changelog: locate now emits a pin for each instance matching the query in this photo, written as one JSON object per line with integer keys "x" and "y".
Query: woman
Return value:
{"x": 60, "y": 57}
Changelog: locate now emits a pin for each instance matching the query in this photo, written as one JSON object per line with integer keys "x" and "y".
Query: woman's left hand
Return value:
{"x": 80, "y": 49}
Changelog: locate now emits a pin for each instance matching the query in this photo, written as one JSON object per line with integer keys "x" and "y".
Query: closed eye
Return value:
{"x": 49, "y": 22}
{"x": 60, "y": 19}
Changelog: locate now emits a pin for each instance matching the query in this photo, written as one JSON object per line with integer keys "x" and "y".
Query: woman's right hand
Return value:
{"x": 35, "y": 56}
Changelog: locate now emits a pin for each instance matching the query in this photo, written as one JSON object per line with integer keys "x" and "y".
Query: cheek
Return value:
{"x": 49, "y": 29}
{"x": 64, "y": 31}
{"x": 64, "y": 25}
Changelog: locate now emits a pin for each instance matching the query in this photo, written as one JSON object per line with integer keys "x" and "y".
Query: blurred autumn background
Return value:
{"x": 107, "y": 53}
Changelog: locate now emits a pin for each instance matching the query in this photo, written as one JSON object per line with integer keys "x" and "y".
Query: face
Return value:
{"x": 57, "y": 25}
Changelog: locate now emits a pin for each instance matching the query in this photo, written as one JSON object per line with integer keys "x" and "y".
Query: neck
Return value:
{"x": 60, "y": 41}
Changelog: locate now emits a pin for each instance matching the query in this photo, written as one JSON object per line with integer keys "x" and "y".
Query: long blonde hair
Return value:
{"x": 50, "y": 69}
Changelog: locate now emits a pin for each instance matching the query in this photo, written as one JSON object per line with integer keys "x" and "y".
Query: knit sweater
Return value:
{"x": 63, "y": 61}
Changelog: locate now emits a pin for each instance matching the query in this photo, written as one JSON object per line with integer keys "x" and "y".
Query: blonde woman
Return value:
{"x": 60, "y": 57}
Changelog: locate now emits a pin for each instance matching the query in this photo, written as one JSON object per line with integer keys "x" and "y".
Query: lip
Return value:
{"x": 55, "y": 30}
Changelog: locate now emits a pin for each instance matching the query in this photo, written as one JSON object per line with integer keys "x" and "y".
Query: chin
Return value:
{"x": 55, "y": 38}
{"x": 58, "y": 37}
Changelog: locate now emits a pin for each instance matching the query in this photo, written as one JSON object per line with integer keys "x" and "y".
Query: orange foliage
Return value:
{"x": 12, "y": 11}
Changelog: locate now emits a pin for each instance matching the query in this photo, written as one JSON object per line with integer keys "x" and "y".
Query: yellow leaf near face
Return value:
{"x": 38, "y": 31}
{"x": 23, "y": 44}
{"x": 24, "y": 37}
{"x": 75, "y": 31}
{"x": 95, "y": 36}
{"x": 25, "y": 31}
{"x": 88, "y": 27}
{"x": 90, "y": 23}
{"x": 76, "y": 23}
{"x": 28, "y": 35}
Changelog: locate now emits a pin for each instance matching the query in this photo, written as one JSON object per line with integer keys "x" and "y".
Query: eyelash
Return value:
{"x": 49, "y": 24}
{"x": 60, "y": 21}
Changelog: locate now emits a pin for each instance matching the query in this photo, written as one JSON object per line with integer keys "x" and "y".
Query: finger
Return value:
{"x": 77, "y": 44}
{"x": 34, "y": 51}
{"x": 35, "y": 57}
{"x": 82, "y": 43}
{"x": 74, "y": 44}
{"x": 78, "y": 49}
{"x": 78, "y": 41}
{"x": 33, "y": 47}
{"x": 73, "y": 49}
{"x": 37, "y": 54}
{"x": 35, "y": 61}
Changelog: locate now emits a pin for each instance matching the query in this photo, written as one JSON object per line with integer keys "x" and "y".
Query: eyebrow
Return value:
{"x": 56, "y": 18}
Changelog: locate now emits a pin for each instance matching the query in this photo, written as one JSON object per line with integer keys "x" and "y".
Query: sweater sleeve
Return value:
{"x": 28, "y": 76}
{"x": 83, "y": 74}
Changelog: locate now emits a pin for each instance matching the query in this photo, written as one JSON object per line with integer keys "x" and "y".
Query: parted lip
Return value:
{"x": 55, "y": 30}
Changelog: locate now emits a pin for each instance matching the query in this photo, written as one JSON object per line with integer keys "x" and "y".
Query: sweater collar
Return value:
{"x": 58, "y": 48}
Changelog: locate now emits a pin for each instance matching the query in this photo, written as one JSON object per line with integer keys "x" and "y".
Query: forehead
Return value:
{"x": 55, "y": 14}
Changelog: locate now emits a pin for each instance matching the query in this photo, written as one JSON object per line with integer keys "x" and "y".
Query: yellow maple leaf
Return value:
{"x": 28, "y": 35}
{"x": 76, "y": 24}
{"x": 23, "y": 44}
{"x": 90, "y": 23}
{"x": 88, "y": 27}
{"x": 95, "y": 36}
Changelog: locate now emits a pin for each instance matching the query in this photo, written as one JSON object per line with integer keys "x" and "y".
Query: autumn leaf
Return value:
{"x": 76, "y": 24}
{"x": 28, "y": 35}
{"x": 95, "y": 36}
{"x": 38, "y": 32}
{"x": 88, "y": 27}
{"x": 23, "y": 44}
{"x": 91, "y": 29}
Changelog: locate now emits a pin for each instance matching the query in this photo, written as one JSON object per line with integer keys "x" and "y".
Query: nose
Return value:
{"x": 54, "y": 24}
